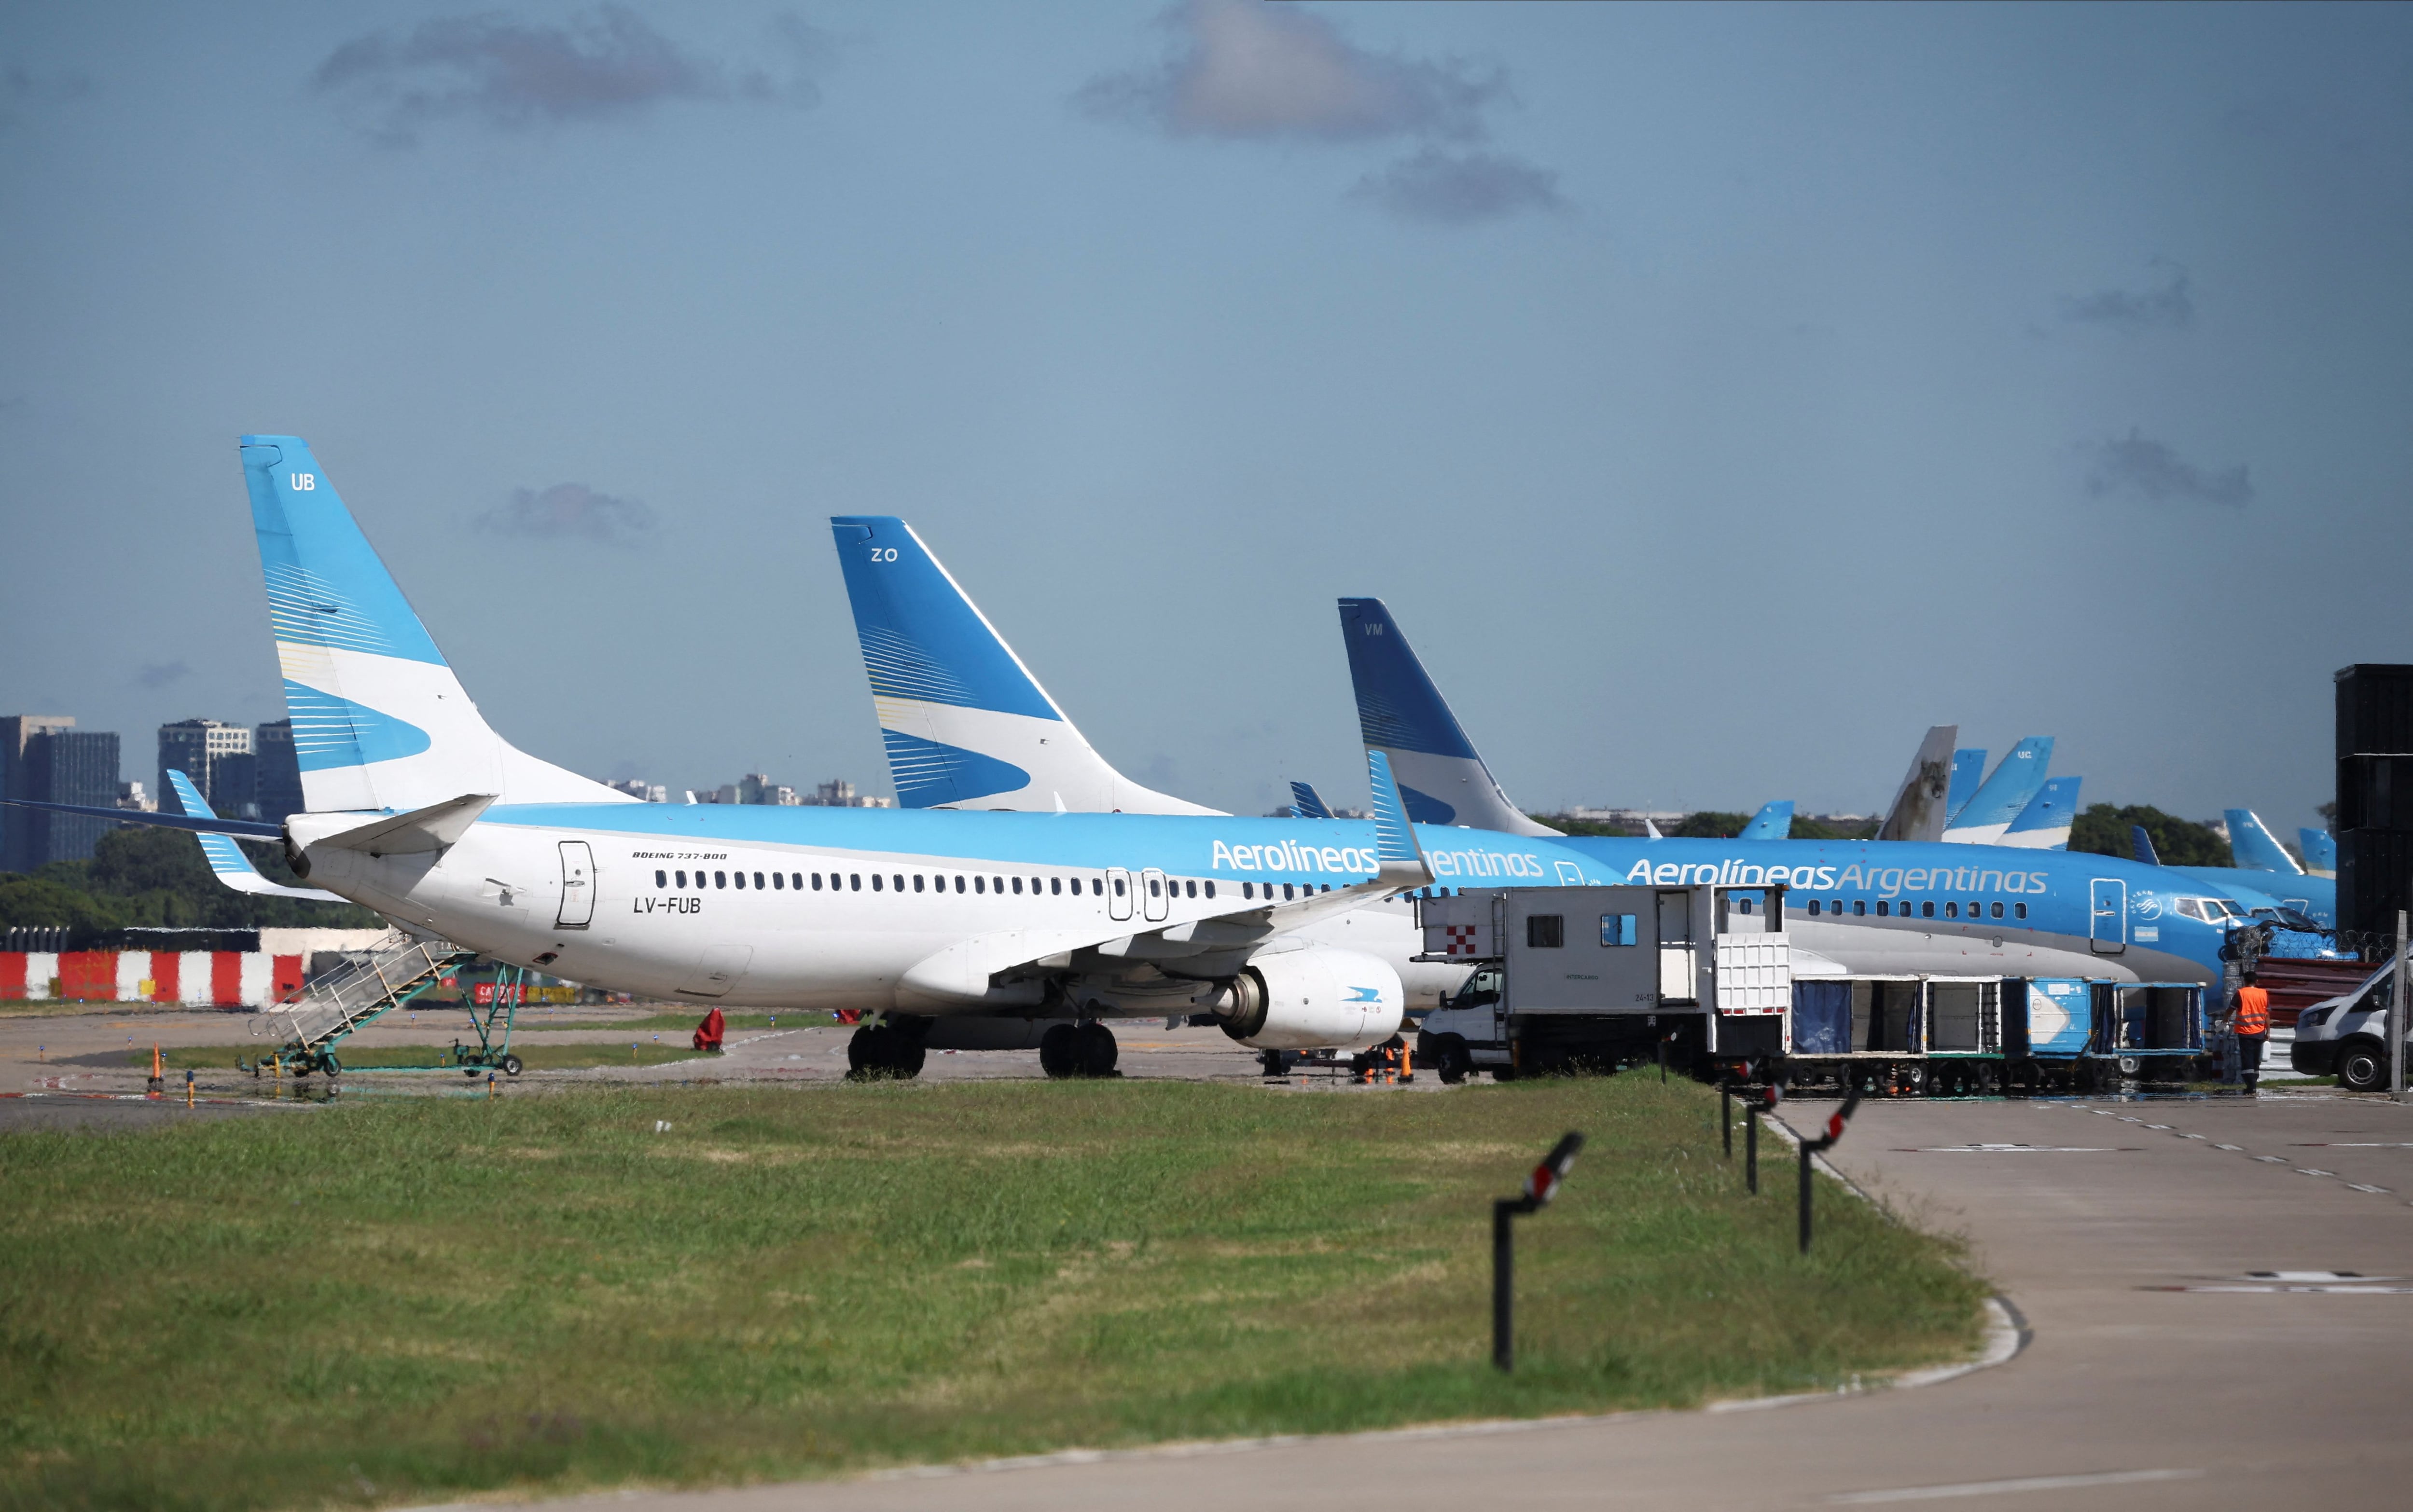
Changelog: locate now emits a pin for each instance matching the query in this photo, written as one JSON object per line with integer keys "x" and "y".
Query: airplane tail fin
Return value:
{"x": 2320, "y": 852}
{"x": 2254, "y": 847}
{"x": 965, "y": 722}
{"x": 379, "y": 721}
{"x": 1774, "y": 821}
{"x": 1307, "y": 803}
{"x": 2044, "y": 824}
{"x": 1968, "y": 776}
{"x": 1922, "y": 803}
{"x": 2140, "y": 844}
{"x": 2001, "y": 797}
{"x": 1403, "y": 715}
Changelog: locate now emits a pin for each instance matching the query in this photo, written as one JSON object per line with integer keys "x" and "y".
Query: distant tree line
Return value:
{"x": 1708, "y": 824}
{"x": 156, "y": 876}
{"x": 2103, "y": 830}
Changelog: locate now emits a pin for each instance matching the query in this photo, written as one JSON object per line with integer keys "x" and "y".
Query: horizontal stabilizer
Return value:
{"x": 435, "y": 828}
{"x": 227, "y": 860}
{"x": 250, "y": 828}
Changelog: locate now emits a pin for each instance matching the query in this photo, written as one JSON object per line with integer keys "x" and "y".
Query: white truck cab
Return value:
{"x": 2347, "y": 1035}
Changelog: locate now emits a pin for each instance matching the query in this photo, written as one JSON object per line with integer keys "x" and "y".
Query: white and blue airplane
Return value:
{"x": 2045, "y": 823}
{"x": 955, "y": 927}
{"x": 1878, "y": 906}
{"x": 1862, "y": 906}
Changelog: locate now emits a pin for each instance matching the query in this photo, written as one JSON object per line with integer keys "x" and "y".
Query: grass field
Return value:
{"x": 355, "y": 1057}
{"x": 420, "y": 1299}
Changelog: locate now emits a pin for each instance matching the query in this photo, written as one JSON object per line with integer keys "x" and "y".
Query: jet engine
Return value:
{"x": 1306, "y": 998}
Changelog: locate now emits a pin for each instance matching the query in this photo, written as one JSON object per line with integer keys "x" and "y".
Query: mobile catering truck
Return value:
{"x": 1602, "y": 977}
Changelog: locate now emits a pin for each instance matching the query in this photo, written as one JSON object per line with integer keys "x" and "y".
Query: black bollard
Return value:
{"x": 1751, "y": 1144}
{"x": 1662, "y": 1060}
{"x": 1503, "y": 1283}
{"x": 1540, "y": 1187}
{"x": 1811, "y": 1147}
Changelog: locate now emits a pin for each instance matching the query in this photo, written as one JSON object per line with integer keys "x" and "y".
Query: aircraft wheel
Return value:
{"x": 867, "y": 1050}
{"x": 1095, "y": 1050}
{"x": 1057, "y": 1056}
{"x": 906, "y": 1055}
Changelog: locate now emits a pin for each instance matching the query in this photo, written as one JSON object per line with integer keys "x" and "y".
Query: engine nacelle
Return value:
{"x": 1309, "y": 999}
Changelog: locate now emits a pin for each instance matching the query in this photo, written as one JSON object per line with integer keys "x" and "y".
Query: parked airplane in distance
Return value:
{"x": 2003, "y": 796}
{"x": 2045, "y": 823}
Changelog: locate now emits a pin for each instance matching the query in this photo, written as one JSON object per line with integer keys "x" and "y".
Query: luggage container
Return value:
{"x": 1897, "y": 1035}
{"x": 2154, "y": 1031}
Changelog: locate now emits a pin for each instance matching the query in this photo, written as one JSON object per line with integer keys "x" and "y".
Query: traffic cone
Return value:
{"x": 158, "y": 1074}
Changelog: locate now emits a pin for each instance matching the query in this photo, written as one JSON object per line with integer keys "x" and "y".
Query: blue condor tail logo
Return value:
{"x": 1290, "y": 856}
{"x": 1882, "y": 880}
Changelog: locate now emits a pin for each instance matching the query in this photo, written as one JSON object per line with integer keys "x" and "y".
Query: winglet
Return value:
{"x": 1307, "y": 803}
{"x": 2142, "y": 844}
{"x": 227, "y": 859}
{"x": 1651, "y": 830}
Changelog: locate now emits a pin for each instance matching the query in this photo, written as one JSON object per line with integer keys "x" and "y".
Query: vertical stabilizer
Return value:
{"x": 379, "y": 721}
{"x": 1968, "y": 776}
{"x": 1403, "y": 715}
{"x": 2320, "y": 852}
{"x": 1774, "y": 821}
{"x": 966, "y": 725}
{"x": 1921, "y": 804}
{"x": 2254, "y": 847}
{"x": 2140, "y": 844}
{"x": 2012, "y": 787}
{"x": 1307, "y": 803}
{"x": 2044, "y": 824}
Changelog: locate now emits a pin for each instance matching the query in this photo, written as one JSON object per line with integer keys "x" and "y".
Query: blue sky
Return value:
{"x": 1719, "y": 396}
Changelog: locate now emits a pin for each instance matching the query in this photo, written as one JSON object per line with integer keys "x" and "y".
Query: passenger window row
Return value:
{"x": 923, "y": 882}
{"x": 1886, "y": 908}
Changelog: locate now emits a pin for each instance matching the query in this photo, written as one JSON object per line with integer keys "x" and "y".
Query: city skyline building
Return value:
{"x": 15, "y": 730}
{"x": 65, "y": 766}
{"x": 276, "y": 772}
{"x": 217, "y": 757}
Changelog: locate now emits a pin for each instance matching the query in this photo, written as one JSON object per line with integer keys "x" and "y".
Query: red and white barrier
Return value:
{"x": 198, "y": 979}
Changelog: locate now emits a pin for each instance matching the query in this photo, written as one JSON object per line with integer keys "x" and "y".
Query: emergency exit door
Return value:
{"x": 1118, "y": 893}
{"x": 577, "y": 886}
{"x": 1157, "y": 895}
{"x": 2107, "y": 927}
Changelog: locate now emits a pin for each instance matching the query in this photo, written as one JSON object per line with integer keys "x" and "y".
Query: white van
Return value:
{"x": 2347, "y": 1035}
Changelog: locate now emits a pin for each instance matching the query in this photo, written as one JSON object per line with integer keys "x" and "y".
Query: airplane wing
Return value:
{"x": 226, "y": 858}
{"x": 965, "y": 972}
{"x": 1307, "y": 803}
{"x": 1920, "y": 804}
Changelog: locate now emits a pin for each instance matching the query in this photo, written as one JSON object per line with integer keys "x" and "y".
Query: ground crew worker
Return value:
{"x": 2251, "y": 1023}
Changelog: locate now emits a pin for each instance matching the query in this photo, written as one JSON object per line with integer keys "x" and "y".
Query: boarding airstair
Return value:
{"x": 336, "y": 1004}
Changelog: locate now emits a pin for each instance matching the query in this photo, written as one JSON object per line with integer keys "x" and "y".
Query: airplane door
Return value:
{"x": 1153, "y": 894}
{"x": 1570, "y": 874}
{"x": 2107, "y": 902}
{"x": 577, "y": 886}
{"x": 1118, "y": 893}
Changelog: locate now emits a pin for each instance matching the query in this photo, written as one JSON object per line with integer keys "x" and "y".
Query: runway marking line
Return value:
{"x": 2001, "y": 1487}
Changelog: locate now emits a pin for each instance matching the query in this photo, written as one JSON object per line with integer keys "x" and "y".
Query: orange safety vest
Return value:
{"x": 2253, "y": 1011}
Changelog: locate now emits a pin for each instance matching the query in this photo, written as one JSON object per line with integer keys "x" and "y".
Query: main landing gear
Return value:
{"x": 884, "y": 1050}
{"x": 1086, "y": 1050}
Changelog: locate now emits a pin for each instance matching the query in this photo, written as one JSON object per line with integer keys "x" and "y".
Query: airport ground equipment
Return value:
{"x": 1541, "y": 1186}
{"x": 1603, "y": 977}
{"x": 335, "y": 1005}
{"x": 1964, "y": 1036}
{"x": 2347, "y": 1034}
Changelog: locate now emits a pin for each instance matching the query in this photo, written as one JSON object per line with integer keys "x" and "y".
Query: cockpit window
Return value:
{"x": 2191, "y": 908}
